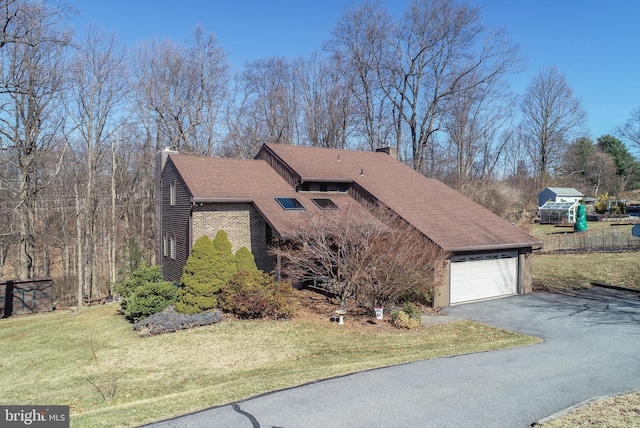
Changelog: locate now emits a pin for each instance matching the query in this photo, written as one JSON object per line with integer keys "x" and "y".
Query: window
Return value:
{"x": 269, "y": 235}
{"x": 172, "y": 246}
{"x": 172, "y": 192}
{"x": 165, "y": 245}
{"x": 290, "y": 203}
{"x": 324, "y": 187}
{"x": 325, "y": 203}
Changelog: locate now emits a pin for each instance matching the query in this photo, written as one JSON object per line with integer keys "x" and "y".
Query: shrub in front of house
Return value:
{"x": 224, "y": 257}
{"x": 169, "y": 321}
{"x": 208, "y": 268}
{"x": 149, "y": 299}
{"x": 244, "y": 260}
{"x": 284, "y": 300}
{"x": 137, "y": 278}
{"x": 252, "y": 293}
{"x": 407, "y": 317}
{"x": 146, "y": 293}
{"x": 412, "y": 310}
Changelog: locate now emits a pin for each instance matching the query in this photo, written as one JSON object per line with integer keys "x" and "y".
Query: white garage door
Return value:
{"x": 482, "y": 276}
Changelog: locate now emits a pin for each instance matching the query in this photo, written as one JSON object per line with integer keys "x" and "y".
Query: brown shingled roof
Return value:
{"x": 448, "y": 218}
{"x": 241, "y": 180}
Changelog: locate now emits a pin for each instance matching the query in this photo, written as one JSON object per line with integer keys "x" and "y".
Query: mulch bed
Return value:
{"x": 317, "y": 307}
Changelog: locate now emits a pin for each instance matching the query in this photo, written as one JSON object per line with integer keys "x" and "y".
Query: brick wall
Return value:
{"x": 243, "y": 224}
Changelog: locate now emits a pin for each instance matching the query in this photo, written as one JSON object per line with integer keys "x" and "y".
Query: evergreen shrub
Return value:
{"x": 401, "y": 319}
{"x": 146, "y": 293}
{"x": 208, "y": 268}
{"x": 244, "y": 260}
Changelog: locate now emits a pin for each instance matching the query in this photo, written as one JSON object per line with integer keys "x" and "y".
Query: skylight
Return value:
{"x": 325, "y": 203}
{"x": 290, "y": 203}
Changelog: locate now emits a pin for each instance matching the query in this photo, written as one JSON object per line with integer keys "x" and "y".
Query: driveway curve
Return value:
{"x": 591, "y": 348}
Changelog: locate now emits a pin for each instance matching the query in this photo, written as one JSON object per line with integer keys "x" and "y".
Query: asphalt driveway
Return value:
{"x": 591, "y": 348}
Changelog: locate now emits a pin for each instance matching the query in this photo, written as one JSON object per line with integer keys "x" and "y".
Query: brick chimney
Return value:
{"x": 391, "y": 151}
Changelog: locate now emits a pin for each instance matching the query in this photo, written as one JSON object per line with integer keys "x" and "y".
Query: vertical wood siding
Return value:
{"x": 288, "y": 174}
{"x": 525, "y": 272}
{"x": 175, "y": 221}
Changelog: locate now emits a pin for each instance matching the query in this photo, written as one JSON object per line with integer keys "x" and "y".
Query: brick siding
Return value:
{"x": 242, "y": 222}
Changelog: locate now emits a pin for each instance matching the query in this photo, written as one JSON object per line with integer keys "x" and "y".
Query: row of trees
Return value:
{"x": 605, "y": 166}
{"x": 81, "y": 117}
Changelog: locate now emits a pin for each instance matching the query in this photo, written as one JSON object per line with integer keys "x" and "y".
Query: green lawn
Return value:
{"x": 110, "y": 377}
{"x": 615, "y": 412}
{"x": 558, "y": 271}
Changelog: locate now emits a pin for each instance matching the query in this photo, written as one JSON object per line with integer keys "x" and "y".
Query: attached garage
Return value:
{"x": 483, "y": 276}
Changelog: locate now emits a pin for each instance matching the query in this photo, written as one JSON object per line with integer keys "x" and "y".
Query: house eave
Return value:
{"x": 220, "y": 200}
{"x": 493, "y": 247}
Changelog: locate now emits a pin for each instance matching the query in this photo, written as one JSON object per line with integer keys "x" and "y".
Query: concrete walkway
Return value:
{"x": 591, "y": 348}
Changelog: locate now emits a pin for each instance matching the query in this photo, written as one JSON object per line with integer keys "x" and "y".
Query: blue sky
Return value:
{"x": 594, "y": 43}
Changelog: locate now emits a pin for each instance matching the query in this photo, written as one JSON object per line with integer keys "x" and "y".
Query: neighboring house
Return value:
{"x": 559, "y": 194}
{"x": 559, "y": 204}
{"x": 255, "y": 201}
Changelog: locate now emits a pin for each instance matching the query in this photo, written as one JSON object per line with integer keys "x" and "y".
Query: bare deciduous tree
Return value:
{"x": 32, "y": 67}
{"x": 98, "y": 86}
{"x": 271, "y": 103}
{"x": 180, "y": 90}
{"x": 472, "y": 121}
{"x": 630, "y": 130}
{"x": 437, "y": 50}
{"x": 441, "y": 50}
{"x": 324, "y": 94}
{"x": 552, "y": 115}
{"x": 587, "y": 167}
{"x": 356, "y": 41}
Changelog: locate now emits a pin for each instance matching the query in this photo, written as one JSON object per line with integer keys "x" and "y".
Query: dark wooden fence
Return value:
{"x": 593, "y": 240}
{"x": 26, "y": 296}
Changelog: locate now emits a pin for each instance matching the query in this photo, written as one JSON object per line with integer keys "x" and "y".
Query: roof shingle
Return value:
{"x": 241, "y": 180}
{"x": 445, "y": 216}
{"x": 449, "y": 219}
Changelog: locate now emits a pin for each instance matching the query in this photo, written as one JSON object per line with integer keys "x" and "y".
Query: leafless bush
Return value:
{"x": 502, "y": 198}
{"x": 365, "y": 253}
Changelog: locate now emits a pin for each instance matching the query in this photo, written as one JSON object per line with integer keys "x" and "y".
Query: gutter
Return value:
{"x": 220, "y": 200}
{"x": 473, "y": 248}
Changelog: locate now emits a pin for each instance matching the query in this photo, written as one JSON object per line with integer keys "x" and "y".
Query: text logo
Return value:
{"x": 34, "y": 416}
